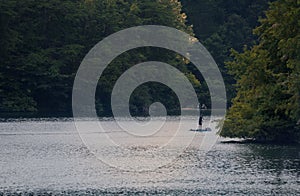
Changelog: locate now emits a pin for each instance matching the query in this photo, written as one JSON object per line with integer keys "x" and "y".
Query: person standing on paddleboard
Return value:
{"x": 203, "y": 107}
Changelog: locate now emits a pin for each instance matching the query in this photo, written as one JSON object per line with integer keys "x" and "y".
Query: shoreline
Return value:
{"x": 255, "y": 141}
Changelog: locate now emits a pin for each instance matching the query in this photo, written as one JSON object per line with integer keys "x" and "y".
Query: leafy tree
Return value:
{"x": 267, "y": 103}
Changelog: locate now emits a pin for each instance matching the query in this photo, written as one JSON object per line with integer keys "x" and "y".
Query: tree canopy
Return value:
{"x": 267, "y": 105}
{"x": 224, "y": 24}
{"x": 43, "y": 43}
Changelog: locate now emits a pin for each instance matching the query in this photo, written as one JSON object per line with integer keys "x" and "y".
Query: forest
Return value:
{"x": 255, "y": 44}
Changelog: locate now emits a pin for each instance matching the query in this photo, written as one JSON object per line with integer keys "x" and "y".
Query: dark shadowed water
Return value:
{"x": 47, "y": 156}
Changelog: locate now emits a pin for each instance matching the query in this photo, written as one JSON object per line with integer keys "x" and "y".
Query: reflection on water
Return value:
{"x": 48, "y": 156}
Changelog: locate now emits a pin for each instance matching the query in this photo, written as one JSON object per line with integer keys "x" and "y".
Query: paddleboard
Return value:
{"x": 207, "y": 129}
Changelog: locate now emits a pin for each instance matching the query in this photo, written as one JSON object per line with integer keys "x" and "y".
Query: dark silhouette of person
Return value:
{"x": 203, "y": 107}
{"x": 200, "y": 120}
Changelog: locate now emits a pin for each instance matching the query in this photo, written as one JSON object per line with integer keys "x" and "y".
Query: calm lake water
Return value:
{"x": 48, "y": 156}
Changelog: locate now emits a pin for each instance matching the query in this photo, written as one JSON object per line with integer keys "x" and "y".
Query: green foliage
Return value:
{"x": 224, "y": 24}
{"x": 42, "y": 46}
{"x": 267, "y": 103}
{"x": 43, "y": 42}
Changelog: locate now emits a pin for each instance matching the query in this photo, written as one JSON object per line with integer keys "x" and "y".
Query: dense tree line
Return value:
{"x": 267, "y": 105}
{"x": 43, "y": 43}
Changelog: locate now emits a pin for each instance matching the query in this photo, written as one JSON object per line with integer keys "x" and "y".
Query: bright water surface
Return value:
{"x": 47, "y": 156}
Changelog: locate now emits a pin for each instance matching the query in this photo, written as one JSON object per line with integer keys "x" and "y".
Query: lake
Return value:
{"x": 48, "y": 156}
